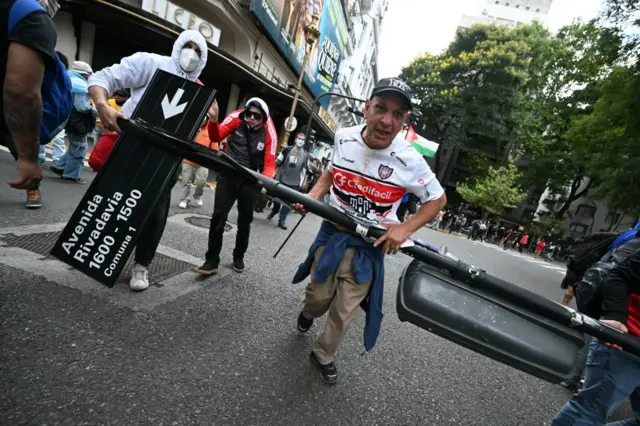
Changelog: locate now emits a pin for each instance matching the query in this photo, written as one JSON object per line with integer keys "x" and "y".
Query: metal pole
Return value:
{"x": 287, "y": 132}
{"x": 288, "y": 236}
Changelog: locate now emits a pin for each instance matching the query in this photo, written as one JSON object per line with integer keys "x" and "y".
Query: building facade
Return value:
{"x": 359, "y": 69}
{"x": 510, "y": 13}
{"x": 243, "y": 60}
{"x": 586, "y": 216}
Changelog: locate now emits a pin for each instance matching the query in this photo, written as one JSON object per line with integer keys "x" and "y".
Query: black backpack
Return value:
{"x": 81, "y": 123}
{"x": 588, "y": 290}
{"x": 588, "y": 250}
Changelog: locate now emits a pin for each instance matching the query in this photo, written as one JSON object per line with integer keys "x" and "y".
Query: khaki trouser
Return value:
{"x": 193, "y": 173}
{"x": 341, "y": 295}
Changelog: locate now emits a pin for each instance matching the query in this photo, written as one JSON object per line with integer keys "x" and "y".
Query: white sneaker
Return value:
{"x": 183, "y": 204}
{"x": 199, "y": 201}
{"x": 139, "y": 278}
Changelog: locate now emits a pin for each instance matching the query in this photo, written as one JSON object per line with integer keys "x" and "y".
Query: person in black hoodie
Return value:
{"x": 612, "y": 375}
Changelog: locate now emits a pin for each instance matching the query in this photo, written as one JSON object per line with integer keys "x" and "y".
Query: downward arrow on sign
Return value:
{"x": 171, "y": 108}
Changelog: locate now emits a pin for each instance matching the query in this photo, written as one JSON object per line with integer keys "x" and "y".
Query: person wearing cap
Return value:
{"x": 119, "y": 98}
{"x": 81, "y": 123}
{"x": 116, "y": 102}
{"x": 251, "y": 141}
{"x": 372, "y": 169}
{"x": 187, "y": 60}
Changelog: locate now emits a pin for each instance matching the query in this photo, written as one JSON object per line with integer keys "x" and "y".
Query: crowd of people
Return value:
{"x": 499, "y": 233}
{"x": 42, "y": 95}
{"x": 345, "y": 271}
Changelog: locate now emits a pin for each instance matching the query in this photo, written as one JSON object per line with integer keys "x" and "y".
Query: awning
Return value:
{"x": 150, "y": 30}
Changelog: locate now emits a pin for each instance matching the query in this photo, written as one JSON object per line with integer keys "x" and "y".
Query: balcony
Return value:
{"x": 366, "y": 5}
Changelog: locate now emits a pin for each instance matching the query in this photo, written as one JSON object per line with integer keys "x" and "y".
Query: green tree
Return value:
{"x": 567, "y": 76}
{"x": 546, "y": 225}
{"x": 612, "y": 131}
{"x": 469, "y": 92}
{"x": 495, "y": 192}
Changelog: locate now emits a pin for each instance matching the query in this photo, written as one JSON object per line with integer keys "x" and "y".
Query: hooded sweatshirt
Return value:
{"x": 135, "y": 72}
{"x": 232, "y": 128}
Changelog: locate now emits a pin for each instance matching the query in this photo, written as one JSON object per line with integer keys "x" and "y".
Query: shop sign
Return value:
{"x": 285, "y": 22}
{"x": 183, "y": 18}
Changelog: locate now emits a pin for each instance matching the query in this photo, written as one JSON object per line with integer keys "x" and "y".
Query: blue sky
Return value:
{"x": 412, "y": 27}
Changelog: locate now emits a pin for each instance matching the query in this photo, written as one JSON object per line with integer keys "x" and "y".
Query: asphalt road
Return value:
{"x": 229, "y": 353}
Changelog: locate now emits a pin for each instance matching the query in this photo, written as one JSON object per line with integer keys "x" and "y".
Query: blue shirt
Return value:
{"x": 80, "y": 92}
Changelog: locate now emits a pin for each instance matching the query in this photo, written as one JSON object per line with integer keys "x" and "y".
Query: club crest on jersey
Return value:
{"x": 384, "y": 172}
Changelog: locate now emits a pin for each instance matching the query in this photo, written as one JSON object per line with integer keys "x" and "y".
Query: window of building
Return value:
{"x": 497, "y": 2}
{"x": 506, "y": 4}
{"x": 538, "y": 10}
{"x": 528, "y": 7}
{"x": 578, "y": 230}
{"x": 612, "y": 218}
{"x": 586, "y": 211}
{"x": 364, "y": 33}
{"x": 517, "y": 6}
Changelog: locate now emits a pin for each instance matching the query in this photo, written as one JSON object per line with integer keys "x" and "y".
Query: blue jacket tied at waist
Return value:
{"x": 368, "y": 265}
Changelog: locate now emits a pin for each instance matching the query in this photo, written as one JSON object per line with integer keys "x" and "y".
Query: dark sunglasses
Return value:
{"x": 252, "y": 114}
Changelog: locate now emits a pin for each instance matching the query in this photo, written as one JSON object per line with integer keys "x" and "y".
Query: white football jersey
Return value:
{"x": 369, "y": 184}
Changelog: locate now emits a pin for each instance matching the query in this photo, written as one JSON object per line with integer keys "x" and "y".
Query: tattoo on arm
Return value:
{"x": 23, "y": 115}
{"x": 22, "y": 99}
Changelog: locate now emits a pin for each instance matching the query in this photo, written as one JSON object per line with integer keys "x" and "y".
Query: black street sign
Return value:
{"x": 105, "y": 226}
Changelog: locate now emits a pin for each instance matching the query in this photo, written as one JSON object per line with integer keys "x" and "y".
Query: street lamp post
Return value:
{"x": 311, "y": 35}
{"x": 314, "y": 108}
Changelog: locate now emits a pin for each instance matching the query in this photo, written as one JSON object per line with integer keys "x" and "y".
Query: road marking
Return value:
{"x": 526, "y": 257}
{"x": 556, "y": 268}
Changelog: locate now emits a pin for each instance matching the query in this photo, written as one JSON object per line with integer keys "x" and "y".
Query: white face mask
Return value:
{"x": 189, "y": 60}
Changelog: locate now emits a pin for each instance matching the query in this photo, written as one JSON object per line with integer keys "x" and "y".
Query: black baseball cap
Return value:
{"x": 395, "y": 85}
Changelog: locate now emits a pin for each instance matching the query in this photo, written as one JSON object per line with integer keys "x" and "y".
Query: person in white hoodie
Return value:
{"x": 187, "y": 60}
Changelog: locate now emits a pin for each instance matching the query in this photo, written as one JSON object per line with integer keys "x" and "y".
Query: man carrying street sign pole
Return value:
{"x": 187, "y": 60}
{"x": 371, "y": 171}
